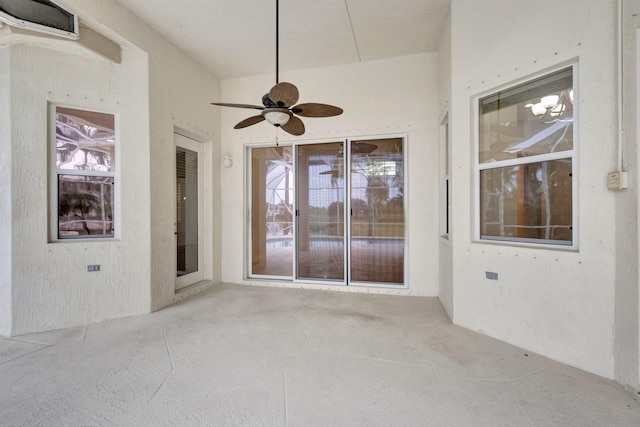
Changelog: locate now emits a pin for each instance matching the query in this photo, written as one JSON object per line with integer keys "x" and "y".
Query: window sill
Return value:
{"x": 86, "y": 240}
{"x": 527, "y": 245}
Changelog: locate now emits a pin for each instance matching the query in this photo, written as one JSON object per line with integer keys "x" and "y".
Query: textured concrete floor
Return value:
{"x": 238, "y": 355}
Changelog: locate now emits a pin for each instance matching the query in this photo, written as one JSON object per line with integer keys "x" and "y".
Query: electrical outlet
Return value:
{"x": 93, "y": 267}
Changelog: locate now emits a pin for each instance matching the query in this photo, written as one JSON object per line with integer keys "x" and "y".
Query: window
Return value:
{"x": 525, "y": 162}
{"x": 83, "y": 184}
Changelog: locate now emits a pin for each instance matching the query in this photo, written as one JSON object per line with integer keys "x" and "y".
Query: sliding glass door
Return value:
{"x": 320, "y": 221}
{"x": 271, "y": 212}
{"x": 328, "y": 212}
{"x": 377, "y": 211}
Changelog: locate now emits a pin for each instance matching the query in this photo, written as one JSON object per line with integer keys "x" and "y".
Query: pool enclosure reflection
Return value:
{"x": 271, "y": 212}
{"x": 300, "y": 197}
{"x": 85, "y": 168}
{"x": 377, "y": 211}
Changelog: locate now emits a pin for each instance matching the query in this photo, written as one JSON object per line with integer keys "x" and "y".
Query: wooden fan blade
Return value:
{"x": 225, "y": 104}
{"x": 248, "y": 122}
{"x": 313, "y": 109}
{"x": 284, "y": 93}
{"x": 294, "y": 126}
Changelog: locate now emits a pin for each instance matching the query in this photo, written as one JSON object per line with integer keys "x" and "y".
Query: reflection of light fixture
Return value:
{"x": 227, "y": 162}
{"x": 552, "y": 108}
{"x": 277, "y": 116}
{"x": 549, "y": 101}
{"x": 538, "y": 109}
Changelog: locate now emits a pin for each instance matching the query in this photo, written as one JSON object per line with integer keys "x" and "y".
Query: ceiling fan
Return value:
{"x": 278, "y": 105}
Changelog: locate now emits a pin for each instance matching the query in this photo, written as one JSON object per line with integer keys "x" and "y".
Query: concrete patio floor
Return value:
{"x": 257, "y": 356}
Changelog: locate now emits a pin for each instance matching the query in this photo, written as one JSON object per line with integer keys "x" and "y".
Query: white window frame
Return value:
{"x": 445, "y": 174}
{"x": 54, "y": 174}
{"x": 568, "y": 154}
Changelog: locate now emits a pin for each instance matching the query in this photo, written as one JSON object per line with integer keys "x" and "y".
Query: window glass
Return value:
{"x": 525, "y": 162}
{"x": 321, "y": 206}
{"x": 377, "y": 211}
{"x": 85, "y": 173}
{"x": 85, "y": 206}
{"x": 530, "y": 119}
{"x": 272, "y": 211}
{"x": 529, "y": 201}
{"x": 84, "y": 140}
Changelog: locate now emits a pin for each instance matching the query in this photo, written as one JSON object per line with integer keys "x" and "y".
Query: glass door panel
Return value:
{"x": 320, "y": 220}
{"x": 377, "y": 211}
{"x": 189, "y": 212}
{"x": 271, "y": 212}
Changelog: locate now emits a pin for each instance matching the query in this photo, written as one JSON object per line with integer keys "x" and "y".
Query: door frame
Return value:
{"x": 248, "y": 276}
{"x": 186, "y": 140}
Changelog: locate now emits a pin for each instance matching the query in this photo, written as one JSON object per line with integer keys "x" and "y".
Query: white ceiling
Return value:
{"x": 237, "y": 38}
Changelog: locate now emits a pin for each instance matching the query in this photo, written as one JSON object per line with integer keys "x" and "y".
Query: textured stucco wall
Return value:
{"x": 156, "y": 89}
{"x": 51, "y": 286}
{"x": 5, "y": 192}
{"x": 559, "y": 303}
{"x": 180, "y": 90}
{"x": 180, "y": 96}
{"x": 392, "y": 96}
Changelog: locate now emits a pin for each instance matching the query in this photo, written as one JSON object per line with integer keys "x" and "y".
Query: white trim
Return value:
{"x": 208, "y": 197}
{"x": 527, "y": 160}
{"x": 197, "y": 146}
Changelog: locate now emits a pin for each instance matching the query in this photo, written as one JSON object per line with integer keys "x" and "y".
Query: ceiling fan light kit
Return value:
{"x": 276, "y": 116}
{"x": 278, "y": 106}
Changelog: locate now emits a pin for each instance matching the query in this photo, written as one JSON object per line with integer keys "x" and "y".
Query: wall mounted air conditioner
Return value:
{"x": 43, "y": 16}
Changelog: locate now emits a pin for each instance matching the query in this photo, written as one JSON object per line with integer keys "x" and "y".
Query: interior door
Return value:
{"x": 189, "y": 211}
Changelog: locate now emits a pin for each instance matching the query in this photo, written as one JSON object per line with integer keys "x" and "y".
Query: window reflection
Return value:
{"x": 84, "y": 140}
{"x": 515, "y": 123}
{"x": 272, "y": 216}
{"x": 531, "y": 201}
{"x": 85, "y": 169}
{"x": 377, "y": 220}
{"x": 525, "y": 158}
{"x": 321, "y": 211}
{"x": 85, "y": 206}
{"x": 369, "y": 247}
